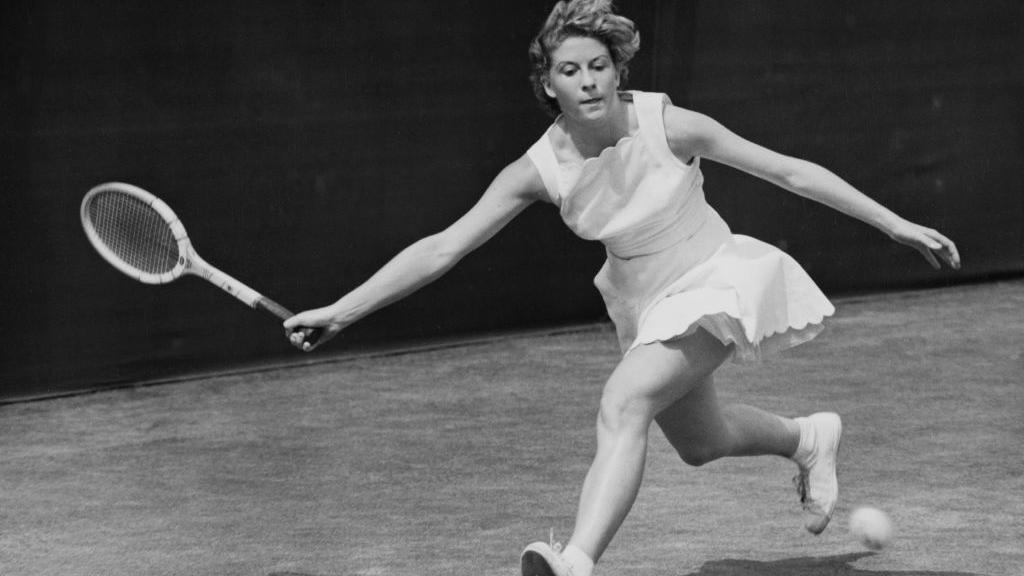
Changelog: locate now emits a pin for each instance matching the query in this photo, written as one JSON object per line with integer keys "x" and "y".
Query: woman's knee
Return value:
{"x": 653, "y": 377}
{"x": 698, "y": 454}
{"x": 694, "y": 431}
{"x": 622, "y": 412}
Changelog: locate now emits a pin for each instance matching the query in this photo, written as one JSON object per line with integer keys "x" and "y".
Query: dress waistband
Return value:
{"x": 662, "y": 233}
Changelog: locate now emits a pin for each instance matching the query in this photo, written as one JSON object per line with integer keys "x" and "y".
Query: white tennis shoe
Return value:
{"x": 543, "y": 559}
{"x": 817, "y": 482}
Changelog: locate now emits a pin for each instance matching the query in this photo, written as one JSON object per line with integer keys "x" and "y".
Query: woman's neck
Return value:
{"x": 591, "y": 137}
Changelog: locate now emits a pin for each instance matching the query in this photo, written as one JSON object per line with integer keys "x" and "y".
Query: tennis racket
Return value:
{"x": 140, "y": 235}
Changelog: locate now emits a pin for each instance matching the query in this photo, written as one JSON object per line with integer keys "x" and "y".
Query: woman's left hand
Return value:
{"x": 930, "y": 243}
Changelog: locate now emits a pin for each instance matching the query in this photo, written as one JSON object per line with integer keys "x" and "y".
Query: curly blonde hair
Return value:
{"x": 587, "y": 18}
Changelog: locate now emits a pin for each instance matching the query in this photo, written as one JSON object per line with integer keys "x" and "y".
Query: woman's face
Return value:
{"x": 583, "y": 78}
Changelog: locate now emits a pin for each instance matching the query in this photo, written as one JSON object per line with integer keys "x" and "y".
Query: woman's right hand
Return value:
{"x": 322, "y": 320}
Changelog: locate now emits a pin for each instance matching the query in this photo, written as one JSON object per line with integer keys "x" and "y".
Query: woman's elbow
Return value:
{"x": 793, "y": 181}
{"x": 442, "y": 251}
{"x": 799, "y": 175}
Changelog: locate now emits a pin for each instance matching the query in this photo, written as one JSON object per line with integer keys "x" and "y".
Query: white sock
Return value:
{"x": 581, "y": 564}
{"x": 806, "y": 446}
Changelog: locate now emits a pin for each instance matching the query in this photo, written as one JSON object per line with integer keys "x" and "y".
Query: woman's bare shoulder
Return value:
{"x": 687, "y": 131}
{"x": 521, "y": 178}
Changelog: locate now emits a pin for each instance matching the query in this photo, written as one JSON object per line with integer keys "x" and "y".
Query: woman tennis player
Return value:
{"x": 684, "y": 293}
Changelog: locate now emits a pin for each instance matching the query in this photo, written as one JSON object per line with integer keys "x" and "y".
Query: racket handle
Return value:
{"x": 310, "y": 335}
{"x": 274, "y": 308}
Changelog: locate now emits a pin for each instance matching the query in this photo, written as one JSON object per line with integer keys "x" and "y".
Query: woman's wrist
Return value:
{"x": 887, "y": 221}
{"x": 344, "y": 313}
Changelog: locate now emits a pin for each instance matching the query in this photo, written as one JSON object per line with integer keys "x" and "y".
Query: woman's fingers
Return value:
{"x": 933, "y": 246}
{"x": 307, "y": 330}
{"x": 950, "y": 252}
{"x": 929, "y": 256}
{"x": 945, "y": 248}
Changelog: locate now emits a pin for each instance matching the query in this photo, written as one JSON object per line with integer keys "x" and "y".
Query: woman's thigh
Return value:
{"x": 660, "y": 374}
{"x": 694, "y": 424}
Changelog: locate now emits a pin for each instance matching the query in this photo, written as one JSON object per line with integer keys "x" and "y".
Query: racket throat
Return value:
{"x": 215, "y": 276}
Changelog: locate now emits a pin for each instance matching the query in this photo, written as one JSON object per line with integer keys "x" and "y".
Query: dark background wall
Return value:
{"x": 304, "y": 143}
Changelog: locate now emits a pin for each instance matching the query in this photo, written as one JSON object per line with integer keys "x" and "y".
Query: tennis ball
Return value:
{"x": 872, "y": 527}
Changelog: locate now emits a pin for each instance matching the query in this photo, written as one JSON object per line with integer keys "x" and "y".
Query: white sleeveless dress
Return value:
{"x": 673, "y": 264}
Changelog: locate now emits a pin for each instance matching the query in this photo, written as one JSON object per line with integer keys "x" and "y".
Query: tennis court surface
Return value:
{"x": 449, "y": 459}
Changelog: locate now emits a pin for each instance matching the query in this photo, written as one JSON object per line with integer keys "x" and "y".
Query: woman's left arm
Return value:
{"x": 693, "y": 134}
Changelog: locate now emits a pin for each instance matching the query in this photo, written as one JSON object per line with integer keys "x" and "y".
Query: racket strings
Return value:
{"x": 134, "y": 232}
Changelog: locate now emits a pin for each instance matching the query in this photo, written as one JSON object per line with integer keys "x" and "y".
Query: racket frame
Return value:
{"x": 189, "y": 262}
{"x": 158, "y": 205}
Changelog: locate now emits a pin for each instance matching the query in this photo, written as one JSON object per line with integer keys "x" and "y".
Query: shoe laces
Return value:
{"x": 800, "y": 480}
{"x": 556, "y": 546}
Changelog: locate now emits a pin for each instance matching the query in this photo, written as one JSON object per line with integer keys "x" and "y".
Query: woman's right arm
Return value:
{"x": 515, "y": 188}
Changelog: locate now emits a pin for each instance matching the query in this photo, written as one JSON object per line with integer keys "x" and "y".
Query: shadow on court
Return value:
{"x": 840, "y": 565}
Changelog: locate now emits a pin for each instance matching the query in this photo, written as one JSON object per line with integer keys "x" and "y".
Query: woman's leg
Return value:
{"x": 647, "y": 381}
{"x": 672, "y": 382}
{"x": 701, "y": 430}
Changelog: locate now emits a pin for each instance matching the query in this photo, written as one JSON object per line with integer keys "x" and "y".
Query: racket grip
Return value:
{"x": 310, "y": 335}
{"x": 274, "y": 308}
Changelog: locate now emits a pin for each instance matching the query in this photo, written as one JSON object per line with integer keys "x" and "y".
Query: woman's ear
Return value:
{"x": 546, "y": 83}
